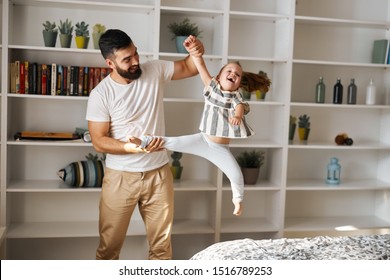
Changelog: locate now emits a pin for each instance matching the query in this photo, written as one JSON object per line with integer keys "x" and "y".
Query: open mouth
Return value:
{"x": 231, "y": 80}
{"x": 133, "y": 69}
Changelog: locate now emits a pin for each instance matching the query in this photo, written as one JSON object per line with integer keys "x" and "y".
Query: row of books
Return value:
{"x": 54, "y": 79}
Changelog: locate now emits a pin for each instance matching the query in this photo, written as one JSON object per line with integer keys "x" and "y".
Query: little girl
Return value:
{"x": 222, "y": 120}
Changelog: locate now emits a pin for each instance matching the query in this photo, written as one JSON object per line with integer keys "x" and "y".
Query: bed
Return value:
{"x": 362, "y": 247}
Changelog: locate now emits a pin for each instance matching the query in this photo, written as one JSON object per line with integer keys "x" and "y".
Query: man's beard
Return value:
{"x": 130, "y": 74}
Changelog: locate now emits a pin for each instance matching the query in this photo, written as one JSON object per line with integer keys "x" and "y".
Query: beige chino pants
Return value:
{"x": 121, "y": 192}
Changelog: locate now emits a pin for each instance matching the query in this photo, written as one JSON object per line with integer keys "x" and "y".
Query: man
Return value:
{"x": 127, "y": 102}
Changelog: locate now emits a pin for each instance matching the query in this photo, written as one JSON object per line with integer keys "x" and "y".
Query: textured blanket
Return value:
{"x": 368, "y": 247}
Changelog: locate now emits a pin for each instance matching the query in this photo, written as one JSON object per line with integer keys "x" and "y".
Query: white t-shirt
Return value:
{"x": 134, "y": 109}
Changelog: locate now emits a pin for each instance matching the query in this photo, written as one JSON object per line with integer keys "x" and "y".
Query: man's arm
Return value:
{"x": 103, "y": 143}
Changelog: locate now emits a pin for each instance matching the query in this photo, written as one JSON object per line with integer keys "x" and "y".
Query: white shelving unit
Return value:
{"x": 295, "y": 42}
{"x": 335, "y": 40}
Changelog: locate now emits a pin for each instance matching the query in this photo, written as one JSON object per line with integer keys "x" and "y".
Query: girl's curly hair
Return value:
{"x": 252, "y": 81}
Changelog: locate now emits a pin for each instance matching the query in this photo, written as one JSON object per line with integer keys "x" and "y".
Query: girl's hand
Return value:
{"x": 193, "y": 46}
{"x": 235, "y": 120}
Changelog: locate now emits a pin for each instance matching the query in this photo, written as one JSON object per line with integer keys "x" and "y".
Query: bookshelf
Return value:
{"x": 299, "y": 42}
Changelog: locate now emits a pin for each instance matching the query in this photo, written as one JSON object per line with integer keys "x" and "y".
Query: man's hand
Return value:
{"x": 134, "y": 145}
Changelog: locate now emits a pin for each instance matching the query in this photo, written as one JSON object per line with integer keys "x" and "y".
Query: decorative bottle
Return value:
{"x": 338, "y": 92}
{"x": 320, "y": 91}
{"x": 352, "y": 89}
{"x": 371, "y": 93}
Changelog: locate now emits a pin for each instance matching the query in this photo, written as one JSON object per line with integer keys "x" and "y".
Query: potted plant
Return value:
{"x": 66, "y": 30}
{"x": 82, "y": 35}
{"x": 255, "y": 83}
{"x": 181, "y": 30}
{"x": 292, "y": 127}
{"x": 50, "y": 34}
{"x": 303, "y": 127}
{"x": 176, "y": 166}
{"x": 250, "y": 163}
{"x": 97, "y": 31}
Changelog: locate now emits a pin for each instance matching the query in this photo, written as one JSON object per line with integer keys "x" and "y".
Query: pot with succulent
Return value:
{"x": 97, "y": 31}
{"x": 176, "y": 167}
{"x": 66, "y": 30}
{"x": 50, "y": 33}
{"x": 181, "y": 30}
{"x": 258, "y": 84}
{"x": 292, "y": 127}
{"x": 82, "y": 35}
{"x": 250, "y": 163}
{"x": 303, "y": 127}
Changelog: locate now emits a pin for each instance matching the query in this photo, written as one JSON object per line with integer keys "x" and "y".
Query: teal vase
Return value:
{"x": 179, "y": 44}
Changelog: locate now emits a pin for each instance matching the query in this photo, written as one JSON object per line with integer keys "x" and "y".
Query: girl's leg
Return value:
{"x": 220, "y": 155}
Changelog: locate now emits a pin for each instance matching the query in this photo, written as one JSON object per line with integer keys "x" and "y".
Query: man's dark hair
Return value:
{"x": 113, "y": 40}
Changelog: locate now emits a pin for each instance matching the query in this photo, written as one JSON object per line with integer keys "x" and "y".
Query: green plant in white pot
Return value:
{"x": 66, "y": 30}
{"x": 181, "y": 30}
{"x": 50, "y": 33}
{"x": 82, "y": 35}
{"x": 97, "y": 31}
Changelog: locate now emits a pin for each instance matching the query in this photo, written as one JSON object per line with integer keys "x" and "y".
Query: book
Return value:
{"x": 91, "y": 79}
{"x": 48, "y": 79}
{"x": 85, "y": 81}
{"x": 71, "y": 80}
{"x": 32, "y": 76}
{"x": 17, "y": 78}
{"x": 53, "y": 79}
{"x": 97, "y": 77}
{"x": 68, "y": 80}
{"x": 76, "y": 80}
{"x": 12, "y": 72}
{"x": 42, "y": 135}
{"x": 44, "y": 79}
{"x": 22, "y": 76}
{"x": 380, "y": 51}
{"x": 39, "y": 78}
{"x": 26, "y": 77}
{"x": 60, "y": 77}
{"x": 64, "y": 81}
{"x": 80, "y": 88}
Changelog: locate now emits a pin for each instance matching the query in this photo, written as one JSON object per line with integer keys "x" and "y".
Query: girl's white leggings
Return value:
{"x": 219, "y": 154}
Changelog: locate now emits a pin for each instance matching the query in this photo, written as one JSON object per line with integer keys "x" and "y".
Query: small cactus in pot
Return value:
{"x": 303, "y": 127}
{"x": 97, "y": 31}
{"x": 66, "y": 30}
{"x": 82, "y": 35}
{"x": 50, "y": 33}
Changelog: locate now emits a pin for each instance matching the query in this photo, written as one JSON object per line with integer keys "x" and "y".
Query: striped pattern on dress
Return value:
{"x": 219, "y": 107}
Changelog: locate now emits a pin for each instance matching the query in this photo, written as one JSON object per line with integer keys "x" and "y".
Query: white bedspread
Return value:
{"x": 364, "y": 247}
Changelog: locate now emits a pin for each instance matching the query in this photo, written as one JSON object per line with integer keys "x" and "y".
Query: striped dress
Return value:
{"x": 219, "y": 106}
